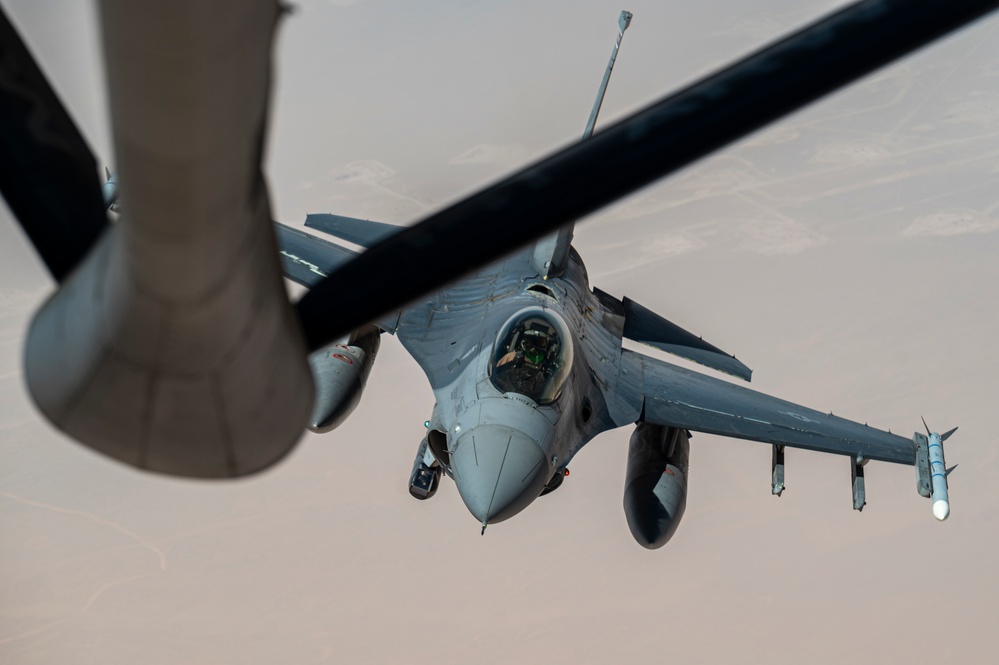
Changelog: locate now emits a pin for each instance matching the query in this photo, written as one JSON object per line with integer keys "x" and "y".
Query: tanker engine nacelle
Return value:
{"x": 655, "y": 491}
{"x": 340, "y": 372}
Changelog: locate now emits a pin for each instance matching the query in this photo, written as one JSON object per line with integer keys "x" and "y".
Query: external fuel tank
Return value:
{"x": 655, "y": 490}
{"x": 340, "y": 372}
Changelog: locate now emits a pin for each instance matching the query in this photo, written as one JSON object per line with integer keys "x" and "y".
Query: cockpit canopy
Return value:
{"x": 532, "y": 355}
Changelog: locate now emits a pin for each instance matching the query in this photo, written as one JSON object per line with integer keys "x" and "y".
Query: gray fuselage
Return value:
{"x": 503, "y": 447}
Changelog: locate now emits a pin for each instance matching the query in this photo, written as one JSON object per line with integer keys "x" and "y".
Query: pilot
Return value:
{"x": 534, "y": 353}
{"x": 522, "y": 370}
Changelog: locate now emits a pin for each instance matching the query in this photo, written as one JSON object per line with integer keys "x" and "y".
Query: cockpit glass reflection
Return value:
{"x": 532, "y": 355}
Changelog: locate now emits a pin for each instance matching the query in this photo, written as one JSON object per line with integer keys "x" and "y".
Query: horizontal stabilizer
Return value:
{"x": 306, "y": 259}
{"x": 358, "y": 231}
{"x": 645, "y": 326}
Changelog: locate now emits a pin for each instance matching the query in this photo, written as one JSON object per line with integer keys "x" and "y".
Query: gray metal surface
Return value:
{"x": 924, "y": 484}
{"x": 340, "y": 373}
{"x": 682, "y": 398}
{"x": 503, "y": 442}
{"x": 859, "y": 484}
{"x": 655, "y": 486}
{"x": 645, "y": 326}
{"x": 173, "y": 347}
{"x": 167, "y": 347}
{"x": 358, "y": 231}
{"x": 552, "y": 252}
{"x": 777, "y": 470}
{"x": 650, "y": 144}
{"x": 502, "y": 448}
{"x": 306, "y": 259}
{"x": 511, "y": 416}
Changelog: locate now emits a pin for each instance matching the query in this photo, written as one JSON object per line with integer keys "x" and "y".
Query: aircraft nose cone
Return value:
{"x": 498, "y": 471}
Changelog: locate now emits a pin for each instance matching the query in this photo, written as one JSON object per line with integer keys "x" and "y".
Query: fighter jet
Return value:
{"x": 526, "y": 364}
{"x": 170, "y": 344}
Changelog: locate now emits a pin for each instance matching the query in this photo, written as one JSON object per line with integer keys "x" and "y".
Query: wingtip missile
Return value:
{"x": 938, "y": 478}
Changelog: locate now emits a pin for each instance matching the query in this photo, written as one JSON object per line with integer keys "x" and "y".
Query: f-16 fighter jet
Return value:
{"x": 170, "y": 344}
{"x": 526, "y": 364}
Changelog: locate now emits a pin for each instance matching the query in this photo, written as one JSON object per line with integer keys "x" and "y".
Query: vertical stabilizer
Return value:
{"x": 551, "y": 253}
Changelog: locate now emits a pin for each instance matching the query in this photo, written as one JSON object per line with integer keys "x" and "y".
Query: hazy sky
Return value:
{"x": 848, "y": 255}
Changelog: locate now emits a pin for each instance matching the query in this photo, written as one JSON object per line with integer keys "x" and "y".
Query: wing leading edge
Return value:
{"x": 361, "y": 232}
{"x": 681, "y": 398}
{"x": 306, "y": 259}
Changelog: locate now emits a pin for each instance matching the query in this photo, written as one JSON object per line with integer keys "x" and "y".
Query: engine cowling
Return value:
{"x": 340, "y": 372}
{"x": 655, "y": 491}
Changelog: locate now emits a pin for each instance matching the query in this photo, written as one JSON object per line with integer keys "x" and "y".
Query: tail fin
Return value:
{"x": 551, "y": 253}
{"x": 623, "y": 22}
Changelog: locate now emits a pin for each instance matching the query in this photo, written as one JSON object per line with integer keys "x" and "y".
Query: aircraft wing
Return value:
{"x": 678, "y": 397}
{"x": 306, "y": 259}
{"x": 361, "y": 232}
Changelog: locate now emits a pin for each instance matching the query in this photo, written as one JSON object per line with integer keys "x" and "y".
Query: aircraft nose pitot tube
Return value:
{"x": 655, "y": 491}
{"x": 499, "y": 471}
{"x": 340, "y": 372}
